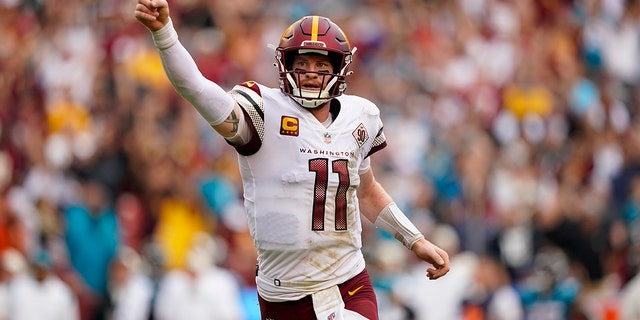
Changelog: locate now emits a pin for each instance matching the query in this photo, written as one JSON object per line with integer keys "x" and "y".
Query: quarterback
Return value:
{"x": 304, "y": 155}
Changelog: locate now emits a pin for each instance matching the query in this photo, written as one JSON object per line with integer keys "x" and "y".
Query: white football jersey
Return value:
{"x": 300, "y": 180}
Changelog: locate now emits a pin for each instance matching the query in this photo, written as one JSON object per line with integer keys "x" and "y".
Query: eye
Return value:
{"x": 324, "y": 66}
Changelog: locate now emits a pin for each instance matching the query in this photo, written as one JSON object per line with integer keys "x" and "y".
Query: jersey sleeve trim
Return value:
{"x": 254, "y": 143}
{"x": 252, "y": 102}
{"x": 252, "y": 106}
{"x": 378, "y": 143}
{"x": 376, "y": 149}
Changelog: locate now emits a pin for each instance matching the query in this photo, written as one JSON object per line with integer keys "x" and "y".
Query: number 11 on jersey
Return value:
{"x": 321, "y": 168}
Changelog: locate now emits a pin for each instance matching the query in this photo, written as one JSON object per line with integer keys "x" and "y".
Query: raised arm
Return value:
{"x": 211, "y": 101}
{"x": 378, "y": 207}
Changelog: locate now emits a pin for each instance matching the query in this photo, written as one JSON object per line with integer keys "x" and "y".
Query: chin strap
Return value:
{"x": 310, "y": 104}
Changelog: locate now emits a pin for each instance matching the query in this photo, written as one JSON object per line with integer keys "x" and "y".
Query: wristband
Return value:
{"x": 392, "y": 220}
{"x": 165, "y": 37}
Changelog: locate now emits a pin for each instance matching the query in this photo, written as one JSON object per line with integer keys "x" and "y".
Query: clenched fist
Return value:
{"x": 153, "y": 14}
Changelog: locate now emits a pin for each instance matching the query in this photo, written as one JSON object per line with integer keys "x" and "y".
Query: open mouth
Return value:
{"x": 310, "y": 86}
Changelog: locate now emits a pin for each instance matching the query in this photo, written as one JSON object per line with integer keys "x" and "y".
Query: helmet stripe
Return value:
{"x": 345, "y": 38}
{"x": 285, "y": 32}
{"x": 314, "y": 28}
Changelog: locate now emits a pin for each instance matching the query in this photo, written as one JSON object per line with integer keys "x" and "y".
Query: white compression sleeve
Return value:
{"x": 211, "y": 101}
{"x": 392, "y": 220}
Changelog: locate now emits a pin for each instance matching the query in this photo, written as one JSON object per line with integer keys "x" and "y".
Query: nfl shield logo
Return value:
{"x": 327, "y": 138}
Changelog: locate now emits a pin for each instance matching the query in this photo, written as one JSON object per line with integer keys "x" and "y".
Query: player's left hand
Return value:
{"x": 430, "y": 253}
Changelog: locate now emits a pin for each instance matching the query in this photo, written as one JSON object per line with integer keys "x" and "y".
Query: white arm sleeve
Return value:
{"x": 211, "y": 101}
{"x": 392, "y": 220}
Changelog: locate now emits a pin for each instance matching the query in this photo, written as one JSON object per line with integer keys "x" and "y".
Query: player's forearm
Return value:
{"x": 379, "y": 208}
{"x": 211, "y": 101}
{"x": 372, "y": 197}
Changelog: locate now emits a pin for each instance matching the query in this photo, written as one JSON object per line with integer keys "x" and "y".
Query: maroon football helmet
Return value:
{"x": 314, "y": 34}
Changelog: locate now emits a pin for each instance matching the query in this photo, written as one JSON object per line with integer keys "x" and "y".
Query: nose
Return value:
{"x": 311, "y": 73}
{"x": 314, "y": 68}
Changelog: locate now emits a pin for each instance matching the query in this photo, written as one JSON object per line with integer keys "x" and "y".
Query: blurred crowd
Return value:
{"x": 513, "y": 134}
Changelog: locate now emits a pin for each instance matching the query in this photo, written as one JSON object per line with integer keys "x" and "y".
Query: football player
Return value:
{"x": 304, "y": 155}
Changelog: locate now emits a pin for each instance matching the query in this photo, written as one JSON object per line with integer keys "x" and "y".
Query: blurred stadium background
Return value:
{"x": 514, "y": 142}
